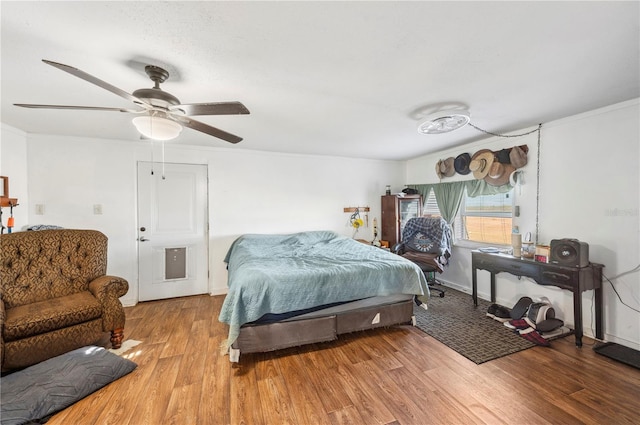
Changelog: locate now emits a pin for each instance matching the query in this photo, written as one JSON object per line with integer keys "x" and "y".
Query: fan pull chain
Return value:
{"x": 163, "y": 176}
{"x": 538, "y": 188}
{"x": 152, "y": 162}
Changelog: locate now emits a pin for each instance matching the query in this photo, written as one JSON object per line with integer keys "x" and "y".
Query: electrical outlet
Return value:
{"x": 97, "y": 209}
{"x": 39, "y": 209}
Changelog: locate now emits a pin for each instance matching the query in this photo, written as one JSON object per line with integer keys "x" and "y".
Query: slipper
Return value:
{"x": 532, "y": 335}
{"x": 491, "y": 311}
{"x": 517, "y": 324}
{"x": 549, "y": 325}
{"x": 499, "y": 313}
{"x": 518, "y": 311}
{"x": 502, "y": 314}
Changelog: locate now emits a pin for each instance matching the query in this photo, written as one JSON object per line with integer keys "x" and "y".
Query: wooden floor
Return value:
{"x": 389, "y": 376}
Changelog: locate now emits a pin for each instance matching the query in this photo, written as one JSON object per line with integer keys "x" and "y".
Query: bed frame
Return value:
{"x": 324, "y": 325}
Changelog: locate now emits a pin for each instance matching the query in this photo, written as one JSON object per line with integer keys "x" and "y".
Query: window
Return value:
{"x": 431, "y": 206}
{"x": 485, "y": 218}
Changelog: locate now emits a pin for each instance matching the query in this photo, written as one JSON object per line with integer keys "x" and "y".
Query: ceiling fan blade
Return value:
{"x": 98, "y": 82}
{"x": 217, "y": 108}
{"x": 207, "y": 129}
{"x": 87, "y": 108}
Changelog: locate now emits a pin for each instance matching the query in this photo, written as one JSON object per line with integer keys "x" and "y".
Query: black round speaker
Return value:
{"x": 569, "y": 252}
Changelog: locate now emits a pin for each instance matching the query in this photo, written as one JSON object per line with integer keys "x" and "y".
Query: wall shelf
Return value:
{"x": 8, "y": 202}
{"x": 5, "y": 201}
{"x": 354, "y": 209}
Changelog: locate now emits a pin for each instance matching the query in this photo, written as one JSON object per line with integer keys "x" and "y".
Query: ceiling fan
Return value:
{"x": 161, "y": 116}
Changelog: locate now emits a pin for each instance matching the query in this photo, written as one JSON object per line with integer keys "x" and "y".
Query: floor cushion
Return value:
{"x": 39, "y": 391}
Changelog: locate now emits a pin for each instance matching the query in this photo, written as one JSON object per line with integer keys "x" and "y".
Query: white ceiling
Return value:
{"x": 330, "y": 78}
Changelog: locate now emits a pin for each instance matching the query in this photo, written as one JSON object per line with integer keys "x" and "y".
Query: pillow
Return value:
{"x": 44, "y": 227}
{"x": 39, "y": 391}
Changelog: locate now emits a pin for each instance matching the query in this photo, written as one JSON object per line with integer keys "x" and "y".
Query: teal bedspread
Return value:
{"x": 283, "y": 273}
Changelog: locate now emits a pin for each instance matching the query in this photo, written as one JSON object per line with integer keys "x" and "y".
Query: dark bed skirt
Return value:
{"x": 307, "y": 330}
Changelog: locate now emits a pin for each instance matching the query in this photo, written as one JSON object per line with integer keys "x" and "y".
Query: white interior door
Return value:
{"x": 172, "y": 230}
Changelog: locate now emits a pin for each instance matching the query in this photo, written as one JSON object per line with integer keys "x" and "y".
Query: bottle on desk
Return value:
{"x": 528, "y": 247}
{"x": 516, "y": 242}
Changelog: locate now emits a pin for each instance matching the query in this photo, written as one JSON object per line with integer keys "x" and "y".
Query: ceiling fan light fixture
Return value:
{"x": 157, "y": 128}
{"x": 444, "y": 121}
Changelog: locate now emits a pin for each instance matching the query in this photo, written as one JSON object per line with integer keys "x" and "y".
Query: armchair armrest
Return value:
{"x": 108, "y": 290}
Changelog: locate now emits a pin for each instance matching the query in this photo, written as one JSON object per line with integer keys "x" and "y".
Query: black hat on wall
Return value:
{"x": 461, "y": 164}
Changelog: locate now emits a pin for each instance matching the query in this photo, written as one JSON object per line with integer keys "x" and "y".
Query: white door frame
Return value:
{"x": 195, "y": 252}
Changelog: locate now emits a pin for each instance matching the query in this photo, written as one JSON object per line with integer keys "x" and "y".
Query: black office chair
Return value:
{"x": 426, "y": 241}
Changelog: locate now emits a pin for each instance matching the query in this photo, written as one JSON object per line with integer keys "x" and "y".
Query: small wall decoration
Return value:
{"x": 5, "y": 201}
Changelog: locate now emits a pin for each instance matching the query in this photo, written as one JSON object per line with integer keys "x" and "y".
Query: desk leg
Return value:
{"x": 577, "y": 316}
{"x": 599, "y": 320}
{"x": 599, "y": 300}
{"x": 493, "y": 287}
{"x": 474, "y": 285}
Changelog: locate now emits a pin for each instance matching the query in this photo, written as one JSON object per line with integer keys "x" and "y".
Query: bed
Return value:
{"x": 302, "y": 288}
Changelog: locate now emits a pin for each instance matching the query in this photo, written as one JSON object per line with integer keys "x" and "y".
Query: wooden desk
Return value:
{"x": 576, "y": 280}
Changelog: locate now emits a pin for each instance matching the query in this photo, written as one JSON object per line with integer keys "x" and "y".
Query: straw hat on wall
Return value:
{"x": 481, "y": 163}
{"x": 445, "y": 168}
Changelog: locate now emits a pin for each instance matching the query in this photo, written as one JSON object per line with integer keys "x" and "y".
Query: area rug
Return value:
{"x": 454, "y": 321}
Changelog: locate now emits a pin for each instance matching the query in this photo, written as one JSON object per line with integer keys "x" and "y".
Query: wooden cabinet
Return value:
{"x": 396, "y": 211}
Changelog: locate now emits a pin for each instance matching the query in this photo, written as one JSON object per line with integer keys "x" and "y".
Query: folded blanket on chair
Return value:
{"x": 428, "y": 235}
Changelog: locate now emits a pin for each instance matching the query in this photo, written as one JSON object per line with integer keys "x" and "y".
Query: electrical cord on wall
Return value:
{"x": 635, "y": 269}
{"x": 616, "y": 291}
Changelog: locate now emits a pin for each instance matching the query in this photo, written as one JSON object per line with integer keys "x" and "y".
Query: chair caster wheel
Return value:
{"x": 441, "y": 294}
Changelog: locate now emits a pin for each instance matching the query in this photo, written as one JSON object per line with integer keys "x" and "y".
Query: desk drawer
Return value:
{"x": 517, "y": 268}
{"x": 562, "y": 278}
{"x": 520, "y": 269}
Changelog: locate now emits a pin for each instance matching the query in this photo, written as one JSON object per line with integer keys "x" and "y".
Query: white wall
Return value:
{"x": 249, "y": 192}
{"x": 589, "y": 190}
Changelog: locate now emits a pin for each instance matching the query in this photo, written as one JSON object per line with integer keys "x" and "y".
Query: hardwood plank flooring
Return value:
{"x": 394, "y": 376}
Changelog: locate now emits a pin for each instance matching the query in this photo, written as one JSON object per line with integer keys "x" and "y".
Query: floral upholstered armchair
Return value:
{"x": 55, "y": 295}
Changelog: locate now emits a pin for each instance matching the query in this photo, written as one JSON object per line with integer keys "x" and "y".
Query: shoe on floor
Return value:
{"x": 532, "y": 335}
{"x": 549, "y": 325}
{"x": 499, "y": 313}
{"x": 502, "y": 314}
{"x": 517, "y": 324}
{"x": 520, "y": 309}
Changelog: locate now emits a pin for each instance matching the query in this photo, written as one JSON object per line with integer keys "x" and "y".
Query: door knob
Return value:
{"x": 143, "y": 239}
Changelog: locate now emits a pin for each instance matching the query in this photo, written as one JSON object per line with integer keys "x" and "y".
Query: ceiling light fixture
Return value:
{"x": 444, "y": 121}
{"x": 157, "y": 127}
